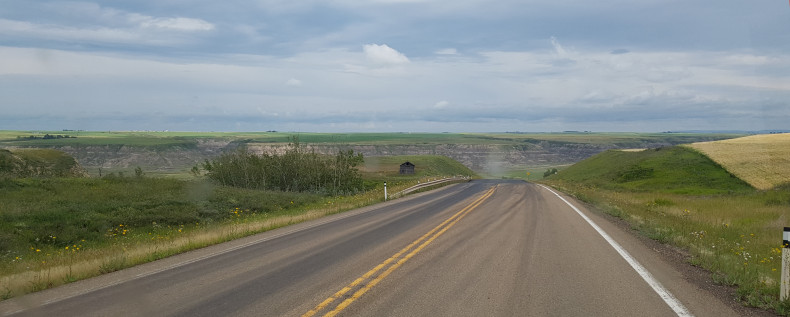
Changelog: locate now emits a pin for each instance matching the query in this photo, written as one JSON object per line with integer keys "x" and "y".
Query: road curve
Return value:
{"x": 484, "y": 248}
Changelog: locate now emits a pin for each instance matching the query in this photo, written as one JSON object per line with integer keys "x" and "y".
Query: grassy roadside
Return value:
{"x": 680, "y": 197}
{"x": 65, "y": 237}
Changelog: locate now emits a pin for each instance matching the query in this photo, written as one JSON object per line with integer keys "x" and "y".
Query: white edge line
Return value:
{"x": 668, "y": 298}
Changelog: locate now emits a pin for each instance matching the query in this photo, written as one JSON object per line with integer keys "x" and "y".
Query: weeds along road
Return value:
{"x": 484, "y": 248}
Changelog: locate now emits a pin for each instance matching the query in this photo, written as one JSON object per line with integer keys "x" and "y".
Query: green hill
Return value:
{"x": 38, "y": 163}
{"x": 677, "y": 170}
{"x": 382, "y": 167}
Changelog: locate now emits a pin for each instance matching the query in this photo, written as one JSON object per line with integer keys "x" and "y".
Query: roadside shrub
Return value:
{"x": 297, "y": 170}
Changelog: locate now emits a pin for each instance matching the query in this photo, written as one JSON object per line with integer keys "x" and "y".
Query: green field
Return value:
{"x": 679, "y": 196}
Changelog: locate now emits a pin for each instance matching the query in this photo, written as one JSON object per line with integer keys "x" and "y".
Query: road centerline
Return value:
{"x": 429, "y": 237}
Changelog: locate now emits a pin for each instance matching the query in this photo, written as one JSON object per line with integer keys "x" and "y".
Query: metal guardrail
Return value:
{"x": 428, "y": 184}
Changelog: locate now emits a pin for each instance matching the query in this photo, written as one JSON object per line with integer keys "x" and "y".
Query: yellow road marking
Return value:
{"x": 433, "y": 234}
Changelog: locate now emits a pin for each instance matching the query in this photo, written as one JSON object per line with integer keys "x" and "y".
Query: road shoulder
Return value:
{"x": 671, "y": 265}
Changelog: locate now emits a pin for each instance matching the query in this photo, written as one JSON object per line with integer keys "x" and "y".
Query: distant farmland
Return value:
{"x": 763, "y": 161}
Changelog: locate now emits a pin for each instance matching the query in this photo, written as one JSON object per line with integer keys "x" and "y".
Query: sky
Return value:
{"x": 395, "y": 65}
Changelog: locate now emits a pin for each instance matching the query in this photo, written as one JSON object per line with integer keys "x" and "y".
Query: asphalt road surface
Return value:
{"x": 484, "y": 248}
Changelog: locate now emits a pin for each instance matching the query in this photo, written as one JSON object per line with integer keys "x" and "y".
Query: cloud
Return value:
{"x": 180, "y": 24}
{"x": 447, "y": 51}
{"x": 558, "y": 48}
{"x": 77, "y": 23}
{"x": 383, "y": 54}
{"x": 619, "y": 51}
{"x": 293, "y": 82}
{"x": 441, "y": 104}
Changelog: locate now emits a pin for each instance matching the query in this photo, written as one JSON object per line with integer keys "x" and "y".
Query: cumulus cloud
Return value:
{"x": 383, "y": 54}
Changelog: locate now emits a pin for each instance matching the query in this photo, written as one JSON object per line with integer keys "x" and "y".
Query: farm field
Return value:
{"x": 680, "y": 197}
{"x": 761, "y": 160}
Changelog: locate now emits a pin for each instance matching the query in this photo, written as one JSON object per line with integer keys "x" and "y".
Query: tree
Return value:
{"x": 549, "y": 172}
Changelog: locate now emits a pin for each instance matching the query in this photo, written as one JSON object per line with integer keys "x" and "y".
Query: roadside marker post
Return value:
{"x": 784, "y": 293}
{"x": 385, "y": 191}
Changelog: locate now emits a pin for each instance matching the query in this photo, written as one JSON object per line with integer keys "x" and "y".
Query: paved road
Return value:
{"x": 484, "y": 248}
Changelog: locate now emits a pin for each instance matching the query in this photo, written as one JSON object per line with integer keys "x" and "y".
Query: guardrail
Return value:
{"x": 429, "y": 184}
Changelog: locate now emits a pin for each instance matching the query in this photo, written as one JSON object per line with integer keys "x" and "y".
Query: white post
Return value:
{"x": 784, "y": 293}
{"x": 385, "y": 191}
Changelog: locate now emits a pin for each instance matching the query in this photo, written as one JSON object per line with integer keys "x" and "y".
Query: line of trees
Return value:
{"x": 297, "y": 170}
{"x": 46, "y": 137}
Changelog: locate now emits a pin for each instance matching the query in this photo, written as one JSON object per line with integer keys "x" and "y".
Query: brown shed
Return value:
{"x": 407, "y": 168}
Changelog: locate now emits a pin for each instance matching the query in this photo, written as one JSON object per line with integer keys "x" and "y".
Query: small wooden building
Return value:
{"x": 407, "y": 168}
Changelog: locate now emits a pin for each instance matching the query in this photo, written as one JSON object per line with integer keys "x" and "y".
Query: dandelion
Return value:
{"x": 38, "y": 250}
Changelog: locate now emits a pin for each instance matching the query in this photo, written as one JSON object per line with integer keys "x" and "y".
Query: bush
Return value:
{"x": 297, "y": 170}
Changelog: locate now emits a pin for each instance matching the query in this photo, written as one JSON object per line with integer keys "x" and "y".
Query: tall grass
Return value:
{"x": 59, "y": 230}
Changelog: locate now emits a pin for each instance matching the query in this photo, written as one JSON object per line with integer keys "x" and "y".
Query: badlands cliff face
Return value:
{"x": 485, "y": 158}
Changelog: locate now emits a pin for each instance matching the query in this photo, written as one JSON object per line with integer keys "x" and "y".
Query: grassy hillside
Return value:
{"x": 681, "y": 197}
{"x": 38, "y": 163}
{"x": 676, "y": 170}
{"x": 761, "y": 160}
{"x": 387, "y": 167}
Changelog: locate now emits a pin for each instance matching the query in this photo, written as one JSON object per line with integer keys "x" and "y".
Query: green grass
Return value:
{"x": 59, "y": 230}
{"x": 381, "y": 168}
{"x": 680, "y": 197}
{"x": 37, "y": 162}
{"x": 33, "y": 211}
{"x": 676, "y": 170}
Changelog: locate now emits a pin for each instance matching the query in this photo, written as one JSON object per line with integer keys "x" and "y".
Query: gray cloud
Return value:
{"x": 394, "y": 65}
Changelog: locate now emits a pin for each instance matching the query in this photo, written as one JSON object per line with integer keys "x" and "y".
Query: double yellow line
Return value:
{"x": 396, "y": 260}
